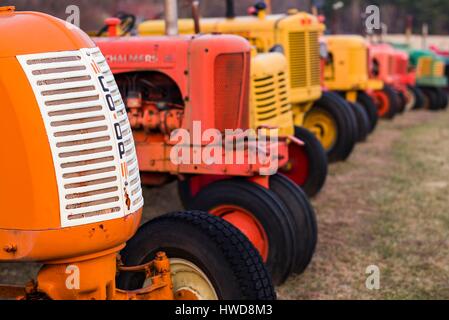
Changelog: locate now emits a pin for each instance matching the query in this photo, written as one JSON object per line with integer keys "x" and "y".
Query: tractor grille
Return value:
{"x": 297, "y": 46}
{"x": 231, "y": 79}
{"x": 304, "y": 56}
{"x": 94, "y": 182}
{"x": 402, "y": 66}
{"x": 270, "y": 97}
{"x": 314, "y": 54}
{"x": 438, "y": 69}
{"x": 424, "y": 68}
{"x": 391, "y": 64}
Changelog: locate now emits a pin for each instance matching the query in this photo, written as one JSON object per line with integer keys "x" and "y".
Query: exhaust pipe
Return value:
{"x": 196, "y": 15}
{"x": 171, "y": 18}
{"x": 230, "y": 10}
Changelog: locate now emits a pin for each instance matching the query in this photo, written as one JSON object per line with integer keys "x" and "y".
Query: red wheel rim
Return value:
{"x": 298, "y": 164}
{"x": 382, "y": 102}
{"x": 247, "y": 224}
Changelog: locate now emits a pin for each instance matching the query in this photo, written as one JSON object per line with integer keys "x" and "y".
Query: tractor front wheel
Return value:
{"x": 307, "y": 165}
{"x": 370, "y": 107}
{"x": 209, "y": 258}
{"x": 363, "y": 122}
{"x": 387, "y": 102}
{"x": 330, "y": 122}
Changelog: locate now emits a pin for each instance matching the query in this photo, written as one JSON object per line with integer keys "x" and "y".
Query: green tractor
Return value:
{"x": 429, "y": 70}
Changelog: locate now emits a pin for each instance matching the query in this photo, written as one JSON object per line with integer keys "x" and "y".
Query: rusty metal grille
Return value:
{"x": 229, "y": 81}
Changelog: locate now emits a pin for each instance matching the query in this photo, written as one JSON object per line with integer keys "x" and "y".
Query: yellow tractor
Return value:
{"x": 346, "y": 70}
{"x": 296, "y": 35}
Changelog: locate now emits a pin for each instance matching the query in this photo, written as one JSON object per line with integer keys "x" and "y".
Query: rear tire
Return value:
{"x": 431, "y": 99}
{"x": 442, "y": 94}
{"x": 363, "y": 123}
{"x": 402, "y": 101}
{"x": 418, "y": 97}
{"x": 368, "y": 104}
{"x": 259, "y": 214}
{"x": 301, "y": 210}
{"x": 227, "y": 263}
{"x": 307, "y": 165}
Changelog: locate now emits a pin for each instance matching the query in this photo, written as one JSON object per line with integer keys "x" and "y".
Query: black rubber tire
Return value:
{"x": 340, "y": 112}
{"x": 393, "y": 99}
{"x": 317, "y": 159}
{"x": 367, "y": 102}
{"x": 419, "y": 97}
{"x": 402, "y": 101}
{"x": 267, "y": 208}
{"x": 184, "y": 192}
{"x": 363, "y": 122}
{"x": 431, "y": 99}
{"x": 301, "y": 210}
{"x": 223, "y": 253}
{"x": 351, "y": 119}
{"x": 442, "y": 96}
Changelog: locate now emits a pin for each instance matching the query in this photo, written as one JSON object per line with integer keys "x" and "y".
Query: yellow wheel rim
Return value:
{"x": 323, "y": 126}
{"x": 189, "y": 282}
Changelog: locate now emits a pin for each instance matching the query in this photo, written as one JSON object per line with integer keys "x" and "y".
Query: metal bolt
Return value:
{"x": 10, "y": 248}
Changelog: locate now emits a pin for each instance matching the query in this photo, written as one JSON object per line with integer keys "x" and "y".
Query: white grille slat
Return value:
{"x": 90, "y": 135}
{"x": 88, "y": 156}
{"x": 93, "y": 187}
{"x": 76, "y": 116}
{"x": 68, "y": 85}
{"x": 59, "y": 76}
{"x": 80, "y": 128}
{"x": 56, "y": 65}
{"x": 75, "y": 127}
{"x": 71, "y": 95}
{"x": 89, "y": 167}
{"x": 84, "y": 199}
{"x": 96, "y": 207}
{"x": 92, "y": 177}
{"x": 88, "y": 146}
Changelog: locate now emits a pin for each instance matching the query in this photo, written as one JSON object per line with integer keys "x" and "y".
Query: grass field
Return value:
{"x": 386, "y": 206}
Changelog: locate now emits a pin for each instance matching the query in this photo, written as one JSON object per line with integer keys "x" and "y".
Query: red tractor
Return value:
{"x": 399, "y": 92}
{"x": 199, "y": 85}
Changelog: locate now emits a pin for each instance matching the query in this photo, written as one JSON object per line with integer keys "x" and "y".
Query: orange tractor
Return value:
{"x": 68, "y": 145}
{"x": 195, "y": 84}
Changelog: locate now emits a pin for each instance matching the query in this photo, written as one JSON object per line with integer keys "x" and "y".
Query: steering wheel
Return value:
{"x": 127, "y": 24}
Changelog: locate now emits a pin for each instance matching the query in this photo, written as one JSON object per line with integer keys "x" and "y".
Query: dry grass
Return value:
{"x": 387, "y": 205}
